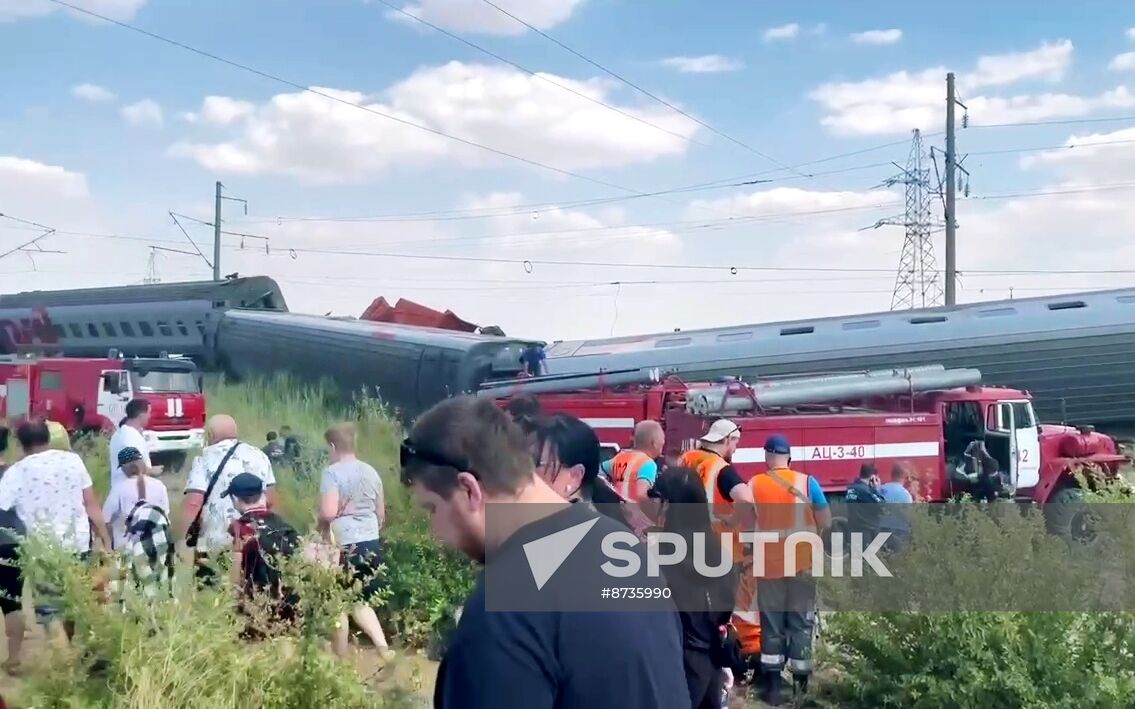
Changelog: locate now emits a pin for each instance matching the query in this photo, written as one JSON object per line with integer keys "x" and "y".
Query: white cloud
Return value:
{"x": 221, "y": 111}
{"x": 32, "y": 181}
{"x": 314, "y": 138}
{"x": 789, "y": 31}
{"x": 1047, "y": 62}
{"x": 1131, "y": 34}
{"x": 1122, "y": 62}
{"x": 903, "y": 100}
{"x": 891, "y": 36}
{"x": 705, "y": 64}
{"x": 479, "y": 17}
{"x": 92, "y": 93}
{"x": 12, "y": 10}
{"x": 1101, "y": 157}
{"x": 145, "y": 113}
{"x": 791, "y": 201}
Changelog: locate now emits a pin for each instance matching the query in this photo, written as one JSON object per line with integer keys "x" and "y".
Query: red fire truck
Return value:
{"x": 932, "y": 419}
{"x": 90, "y": 395}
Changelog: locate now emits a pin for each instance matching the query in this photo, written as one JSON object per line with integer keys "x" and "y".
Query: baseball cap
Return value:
{"x": 720, "y": 430}
{"x": 129, "y": 454}
{"x": 778, "y": 444}
{"x": 244, "y": 485}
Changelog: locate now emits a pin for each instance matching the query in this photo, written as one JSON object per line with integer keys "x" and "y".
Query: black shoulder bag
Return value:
{"x": 193, "y": 533}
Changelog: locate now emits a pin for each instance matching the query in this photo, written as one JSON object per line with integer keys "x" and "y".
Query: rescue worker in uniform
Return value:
{"x": 723, "y": 484}
{"x": 786, "y": 502}
{"x": 632, "y": 471}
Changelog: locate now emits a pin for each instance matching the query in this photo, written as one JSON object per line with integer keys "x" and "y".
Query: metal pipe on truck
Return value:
{"x": 723, "y": 399}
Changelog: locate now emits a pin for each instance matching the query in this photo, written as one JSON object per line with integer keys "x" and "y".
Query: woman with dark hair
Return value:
{"x": 567, "y": 456}
{"x": 685, "y": 512}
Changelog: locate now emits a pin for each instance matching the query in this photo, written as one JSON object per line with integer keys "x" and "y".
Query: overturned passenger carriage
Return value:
{"x": 410, "y": 368}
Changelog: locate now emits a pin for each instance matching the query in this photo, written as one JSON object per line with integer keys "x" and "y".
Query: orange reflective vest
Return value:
{"x": 708, "y": 465}
{"x": 624, "y": 471}
{"x": 783, "y": 507}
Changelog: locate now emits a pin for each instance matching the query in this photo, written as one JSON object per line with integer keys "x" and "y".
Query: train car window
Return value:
{"x": 75, "y": 331}
{"x": 201, "y": 328}
{"x": 92, "y": 330}
{"x": 147, "y": 331}
{"x": 164, "y": 329}
{"x": 60, "y": 333}
{"x": 108, "y": 328}
{"x": 51, "y": 381}
{"x": 127, "y": 328}
{"x": 181, "y": 329}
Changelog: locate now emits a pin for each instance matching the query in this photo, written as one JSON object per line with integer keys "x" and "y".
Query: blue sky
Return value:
{"x": 104, "y": 131}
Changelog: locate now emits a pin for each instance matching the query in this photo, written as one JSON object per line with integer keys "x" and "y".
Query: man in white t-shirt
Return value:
{"x": 130, "y": 435}
{"x": 218, "y": 512}
{"x": 52, "y": 493}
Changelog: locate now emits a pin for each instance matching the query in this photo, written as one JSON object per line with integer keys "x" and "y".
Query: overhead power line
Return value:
{"x": 537, "y": 75}
{"x": 1055, "y": 122}
{"x": 643, "y": 91}
{"x": 493, "y": 212}
{"x": 338, "y": 99}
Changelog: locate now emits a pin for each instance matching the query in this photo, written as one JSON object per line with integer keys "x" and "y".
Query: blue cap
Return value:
{"x": 778, "y": 444}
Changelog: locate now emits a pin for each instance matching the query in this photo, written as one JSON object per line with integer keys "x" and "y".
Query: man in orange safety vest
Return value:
{"x": 723, "y": 484}
{"x": 632, "y": 471}
{"x": 786, "y": 502}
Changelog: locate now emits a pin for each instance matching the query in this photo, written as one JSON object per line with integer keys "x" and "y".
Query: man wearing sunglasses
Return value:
{"x": 521, "y": 642}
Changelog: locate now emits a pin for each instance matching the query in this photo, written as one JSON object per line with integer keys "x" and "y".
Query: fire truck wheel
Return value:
{"x": 1066, "y": 516}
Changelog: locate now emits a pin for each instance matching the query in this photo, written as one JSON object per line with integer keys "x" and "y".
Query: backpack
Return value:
{"x": 150, "y": 548}
{"x": 272, "y": 539}
{"x": 12, "y": 529}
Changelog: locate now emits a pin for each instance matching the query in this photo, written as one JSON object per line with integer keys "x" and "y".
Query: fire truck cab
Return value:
{"x": 90, "y": 395}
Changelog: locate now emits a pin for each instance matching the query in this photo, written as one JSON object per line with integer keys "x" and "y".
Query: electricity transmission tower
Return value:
{"x": 917, "y": 284}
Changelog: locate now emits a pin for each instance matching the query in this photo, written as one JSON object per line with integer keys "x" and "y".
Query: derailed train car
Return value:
{"x": 408, "y": 367}
{"x": 241, "y": 326}
{"x": 1075, "y": 353}
{"x": 143, "y": 321}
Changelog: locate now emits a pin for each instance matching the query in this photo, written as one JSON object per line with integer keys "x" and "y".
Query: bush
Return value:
{"x": 188, "y": 652}
{"x": 905, "y": 649}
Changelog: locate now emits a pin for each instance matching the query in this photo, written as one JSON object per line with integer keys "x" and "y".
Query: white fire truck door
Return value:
{"x": 1016, "y": 418}
{"x": 114, "y": 394}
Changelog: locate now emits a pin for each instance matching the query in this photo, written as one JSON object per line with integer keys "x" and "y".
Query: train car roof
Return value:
{"x": 380, "y": 330}
{"x": 1017, "y": 315}
{"x": 242, "y": 290}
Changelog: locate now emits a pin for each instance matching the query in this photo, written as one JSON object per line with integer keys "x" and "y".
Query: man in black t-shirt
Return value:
{"x": 540, "y": 629}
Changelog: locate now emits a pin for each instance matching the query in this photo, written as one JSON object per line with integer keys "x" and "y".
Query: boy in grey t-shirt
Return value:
{"x": 351, "y": 507}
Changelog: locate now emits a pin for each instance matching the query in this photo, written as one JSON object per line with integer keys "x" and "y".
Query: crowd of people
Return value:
{"x": 228, "y": 510}
{"x": 461, "y": 457}
{"x": 467, "y": 455}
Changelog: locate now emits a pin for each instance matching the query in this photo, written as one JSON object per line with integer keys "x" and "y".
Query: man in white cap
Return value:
{"x": 723, "y": 484}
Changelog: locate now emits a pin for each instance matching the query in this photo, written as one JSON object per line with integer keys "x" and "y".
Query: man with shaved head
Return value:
{"x": 207, "y": 512}
{"x": 633, "y": 470}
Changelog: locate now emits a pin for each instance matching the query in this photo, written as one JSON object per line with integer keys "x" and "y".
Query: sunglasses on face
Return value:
{"x": 409, "y": 451}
